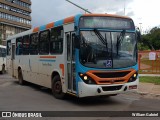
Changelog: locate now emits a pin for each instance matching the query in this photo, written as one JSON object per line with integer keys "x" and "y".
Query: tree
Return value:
{"x": 150, "y": 40}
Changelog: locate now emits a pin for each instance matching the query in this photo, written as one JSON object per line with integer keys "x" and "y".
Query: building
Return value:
{"x": 15, "y": 17}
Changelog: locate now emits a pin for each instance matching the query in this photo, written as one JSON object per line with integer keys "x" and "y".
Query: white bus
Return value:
{"x": 2, "y": 59}
{"x": 83, "y": 55}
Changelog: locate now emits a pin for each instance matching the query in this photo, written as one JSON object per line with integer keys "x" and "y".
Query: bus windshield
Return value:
{"x": 102, "y": 49}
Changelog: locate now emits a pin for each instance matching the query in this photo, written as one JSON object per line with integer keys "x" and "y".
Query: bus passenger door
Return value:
{"x": 71, "y": 62}
{"x": 13, "y": 48}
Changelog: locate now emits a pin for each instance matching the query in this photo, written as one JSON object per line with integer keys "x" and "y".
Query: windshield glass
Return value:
{"x": 101, "y": 49}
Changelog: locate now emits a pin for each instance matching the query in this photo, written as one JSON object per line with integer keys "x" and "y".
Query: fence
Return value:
{"x": 149, "y": 62}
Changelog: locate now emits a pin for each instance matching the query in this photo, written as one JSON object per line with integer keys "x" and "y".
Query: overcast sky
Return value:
{"x": 143, "y": 12}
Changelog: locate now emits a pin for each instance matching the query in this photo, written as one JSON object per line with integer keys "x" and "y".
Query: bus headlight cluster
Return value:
{"x": 86, "y": 78}
{"x": 133, "y": 78}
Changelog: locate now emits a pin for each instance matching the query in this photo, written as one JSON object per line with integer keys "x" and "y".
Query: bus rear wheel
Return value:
{"x": 57, "y": 88}
{"x": 20, "y": 77}
{"x": 3, "y": 69}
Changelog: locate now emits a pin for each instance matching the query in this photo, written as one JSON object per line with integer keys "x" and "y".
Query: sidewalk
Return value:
{"x": 149, "y": 89}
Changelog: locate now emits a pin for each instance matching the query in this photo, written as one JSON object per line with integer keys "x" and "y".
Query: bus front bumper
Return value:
{"x": 86, "y": 90}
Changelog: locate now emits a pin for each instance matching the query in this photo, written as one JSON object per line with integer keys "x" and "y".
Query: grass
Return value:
{"x": 148, "y": 79}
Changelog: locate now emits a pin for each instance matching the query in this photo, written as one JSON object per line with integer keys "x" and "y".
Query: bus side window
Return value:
{"x": 56, "y": 41}
{"x": 9, "y": 48}
{"x": 73, "y": 48}
{"x": 26, "y": 45}
{"x": 44, "y": 42}
{"x": 34, "y": 44}
{"x": 19, "y": 46}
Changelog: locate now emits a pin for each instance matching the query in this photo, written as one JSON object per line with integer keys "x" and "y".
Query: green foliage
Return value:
{"x": 142, "y": 46}
{"x": 150, "y": 40}
{"x": 148, "y": 79}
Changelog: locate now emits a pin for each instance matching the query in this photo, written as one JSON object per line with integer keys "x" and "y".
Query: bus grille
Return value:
{"x": 111, "y": 74}
{"x": 111, "y": 77}
{"x": 111, "y": 88}
{"x": 111, "y": 81}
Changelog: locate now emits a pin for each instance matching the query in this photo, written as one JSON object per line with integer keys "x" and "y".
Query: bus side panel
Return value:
{"x": 48, "y": 65}
{"x": 44, "y": 80}
{"x": 33, "y": 69}
{"x": 16, "y": 64}
{"x": 23, "y": 63}
{"x": 15, "y": 73}
{"x": 9, "y": 70}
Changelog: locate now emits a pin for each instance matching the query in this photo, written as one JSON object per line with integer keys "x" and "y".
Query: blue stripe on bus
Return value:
{"x": 76, "y": 19}
{"x": 42, "y": 27}
{"x": 84, "y": 69}
{"x": 47, "y": 60}
{"x": 58, "y": 23}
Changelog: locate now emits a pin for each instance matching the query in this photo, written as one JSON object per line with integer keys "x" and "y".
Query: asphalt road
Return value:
{"x": 14, "y": 97}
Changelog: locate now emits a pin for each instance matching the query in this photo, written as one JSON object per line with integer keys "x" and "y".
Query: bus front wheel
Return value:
{"x": 57, "y": 88}
{"x": 3, "y": 69}
{"x": 20, "y": 77}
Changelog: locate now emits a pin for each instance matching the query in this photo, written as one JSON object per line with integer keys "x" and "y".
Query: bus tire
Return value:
{"x": 57, "y": 87}
{"x": 3, "y": 69}
{"x": 20, "y": 77}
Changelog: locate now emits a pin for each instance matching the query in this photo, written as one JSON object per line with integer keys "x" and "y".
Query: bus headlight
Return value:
{"x": 133, "y": 78}
{"x": 86, "y": 78}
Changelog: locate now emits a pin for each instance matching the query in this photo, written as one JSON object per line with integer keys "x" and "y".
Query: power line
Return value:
{"x": 86, "y": 10}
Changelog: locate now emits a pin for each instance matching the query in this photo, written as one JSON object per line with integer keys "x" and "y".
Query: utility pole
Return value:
{"x": 86, "y": 10}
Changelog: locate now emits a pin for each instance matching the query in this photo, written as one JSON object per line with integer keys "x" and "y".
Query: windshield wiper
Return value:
{"x": 104, "y": 41}
{"x": 101, "y": 38}
{"x": 120, "y": 39}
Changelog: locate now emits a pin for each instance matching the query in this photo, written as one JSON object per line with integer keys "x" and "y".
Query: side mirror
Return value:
{"x": 138, "y": 34}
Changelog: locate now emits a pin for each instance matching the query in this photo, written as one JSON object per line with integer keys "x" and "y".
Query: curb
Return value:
{"x": 147, "y": 93}
{"x": 152, "y": 75}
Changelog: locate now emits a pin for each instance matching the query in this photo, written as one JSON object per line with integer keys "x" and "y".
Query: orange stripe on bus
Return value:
{"x": 106, "y": 15}
{"x": 50, "y": 25}
{"x": 36, "y": 29}
{"x": 69, "y": 20}
{"x": 100, "y": 80}
{"x": 62, "y": 68}
{"x": 47, "y": 56}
